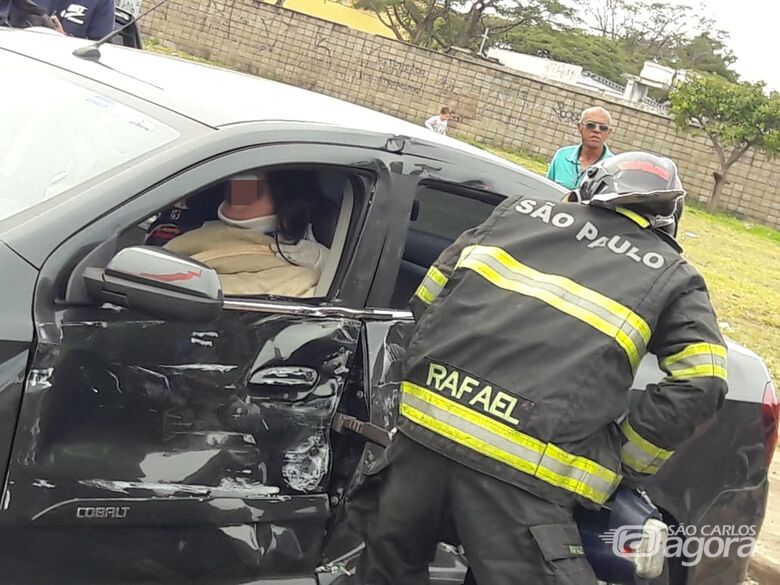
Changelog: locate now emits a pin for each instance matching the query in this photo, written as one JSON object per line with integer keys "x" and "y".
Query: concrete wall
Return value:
{"x": 537, "y": 66}
{"x": 134, "y": 6}
{"x": 492, "y": 103}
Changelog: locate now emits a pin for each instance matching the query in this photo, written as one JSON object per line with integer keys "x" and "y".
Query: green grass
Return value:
{"x": 531, "y": 162}
{"x": 740, "y": 261}
{"x": 156, "y": 46}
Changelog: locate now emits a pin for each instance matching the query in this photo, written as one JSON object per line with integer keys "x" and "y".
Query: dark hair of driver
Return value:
{"x": 293, "y": 192}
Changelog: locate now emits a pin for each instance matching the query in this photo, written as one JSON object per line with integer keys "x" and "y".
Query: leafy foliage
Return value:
{"x": 607, "y": 37}
{"x": 620, "y": 35}
{"x": 441, "y": 24}
{"x": 708, "y": 53}
{"x": 654, "y": 28}
{"x": 734, "y": 116}
{"x": 601, "y": 55}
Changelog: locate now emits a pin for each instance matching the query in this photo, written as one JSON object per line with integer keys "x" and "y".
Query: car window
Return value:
{"x": 445, "y": 215}
{"x": 57, "y": 135}
{"x": 195, "y": 225}
{"x": 440, "y": 215}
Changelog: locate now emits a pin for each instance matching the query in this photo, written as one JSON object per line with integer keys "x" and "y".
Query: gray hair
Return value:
{"x": 586, "y": 112}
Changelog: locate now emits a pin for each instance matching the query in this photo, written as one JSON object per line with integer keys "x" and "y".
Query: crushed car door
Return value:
{"x": 152, "y": 450}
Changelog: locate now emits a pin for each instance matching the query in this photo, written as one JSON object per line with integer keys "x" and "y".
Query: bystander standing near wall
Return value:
{"x": 569, "y": 164}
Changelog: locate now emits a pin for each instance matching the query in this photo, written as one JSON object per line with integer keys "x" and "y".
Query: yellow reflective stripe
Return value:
{"x": 703, "y": 371}
{"x": 424, "y": 294}
{"x": 643, "y": 443}
{"x": 633, "y": 216}
{"x": 640, "y": 454}
{"x": 502, "y": 443}
{"x": 465, "y": 439}
{"x": 570, "y": 484}
{"x": 561, "y": 281}
{"x": 696, "y": 349}
{"x": 698, "y": 360}
{"x": 620, "y": 311}
{"x": 565, "y": 463}
{"x": 562, "y": 305}
{"x": 640, "y": 466}
{"x": 582, "y": 463}
{"x": 611, "y": 322}
{"x": 431, "y": 286}
{"x": 437, "y": 276}
{"x": 474, "y": 417}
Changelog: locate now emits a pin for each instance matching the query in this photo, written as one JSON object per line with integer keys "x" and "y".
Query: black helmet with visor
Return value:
{"x": 642, "y": 182}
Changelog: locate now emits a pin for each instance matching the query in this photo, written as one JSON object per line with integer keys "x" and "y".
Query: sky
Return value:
{"x": 754, "y": 36}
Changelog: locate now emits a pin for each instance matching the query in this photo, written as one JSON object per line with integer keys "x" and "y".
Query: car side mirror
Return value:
{"x": 158, "y": 282}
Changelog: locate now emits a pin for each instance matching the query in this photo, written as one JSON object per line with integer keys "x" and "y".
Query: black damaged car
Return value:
{"x": 153, "y": 430}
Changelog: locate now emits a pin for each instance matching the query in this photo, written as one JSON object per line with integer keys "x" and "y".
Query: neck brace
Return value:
{"x": 261, "y": 225}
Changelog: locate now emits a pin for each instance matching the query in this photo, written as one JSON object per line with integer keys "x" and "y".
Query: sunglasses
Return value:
{"x": 592, "y": 126}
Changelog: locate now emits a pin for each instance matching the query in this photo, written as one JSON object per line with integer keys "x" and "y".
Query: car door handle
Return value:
{"x": 297, "y": 378}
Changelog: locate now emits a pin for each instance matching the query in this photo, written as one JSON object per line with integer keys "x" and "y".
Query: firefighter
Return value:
{"x": 515, "y": 401}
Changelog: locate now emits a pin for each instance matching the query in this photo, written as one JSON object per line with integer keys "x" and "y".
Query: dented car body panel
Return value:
{"x": 132, "y": 424}
{"x": 150, "y": 450}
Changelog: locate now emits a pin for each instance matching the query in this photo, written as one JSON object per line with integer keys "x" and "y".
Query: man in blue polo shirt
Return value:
{"x": 87, "y": 19}
{"x": 569, "y": 164}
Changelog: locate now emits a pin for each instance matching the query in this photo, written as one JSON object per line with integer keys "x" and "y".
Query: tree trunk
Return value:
{"x": 423, "y": 36}
{"x": 721, "y": 176}
{"x": 717, "y": 190}
{"x": 470, "y": 31}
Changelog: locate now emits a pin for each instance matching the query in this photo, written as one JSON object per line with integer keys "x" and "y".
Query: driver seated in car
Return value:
{"x": 262, "y": 242}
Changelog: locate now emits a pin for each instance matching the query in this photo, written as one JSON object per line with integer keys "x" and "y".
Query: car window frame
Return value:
{"x": 456, "y": 190}
{"x": 491, "y": 198}
{"x": 465, "y": 173}
{"x": 364, "y": 248}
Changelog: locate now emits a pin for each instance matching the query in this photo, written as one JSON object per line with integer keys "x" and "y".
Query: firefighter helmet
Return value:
{"x": 643, "y": 182}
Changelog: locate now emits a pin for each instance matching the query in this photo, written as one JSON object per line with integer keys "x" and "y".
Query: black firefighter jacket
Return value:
{"x": 529, "y": 331}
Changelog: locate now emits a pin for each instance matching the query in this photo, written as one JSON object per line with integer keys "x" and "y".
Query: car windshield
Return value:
{"x": 57, "y": 135}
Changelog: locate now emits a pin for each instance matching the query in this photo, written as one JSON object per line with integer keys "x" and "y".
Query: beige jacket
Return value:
{"x": 244, "y": 261}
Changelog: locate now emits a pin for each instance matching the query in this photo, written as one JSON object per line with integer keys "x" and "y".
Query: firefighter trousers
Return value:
{"x": 510, "y": 536}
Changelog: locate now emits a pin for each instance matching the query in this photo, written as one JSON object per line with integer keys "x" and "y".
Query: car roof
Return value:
{"x": 215, "y": 96}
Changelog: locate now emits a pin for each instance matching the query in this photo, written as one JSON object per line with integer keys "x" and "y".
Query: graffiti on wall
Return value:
{"x": 132, "y": 6}
{"x": 564, "y": 113}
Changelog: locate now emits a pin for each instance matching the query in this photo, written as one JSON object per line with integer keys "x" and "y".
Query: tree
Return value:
{"x": 708, "y": 53}
{"x": 411, "y": 20}
{"x": 622, "y": 37}
{"x": 441, "y": 24}
{"x": 600, "y": 55}
{"x": 661, "y": 31}
{"x": 506, "y": 16}
{"x": 734, "y": 116}
{"x": 652, "y": 24}
{"x": 606, "y": 16}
